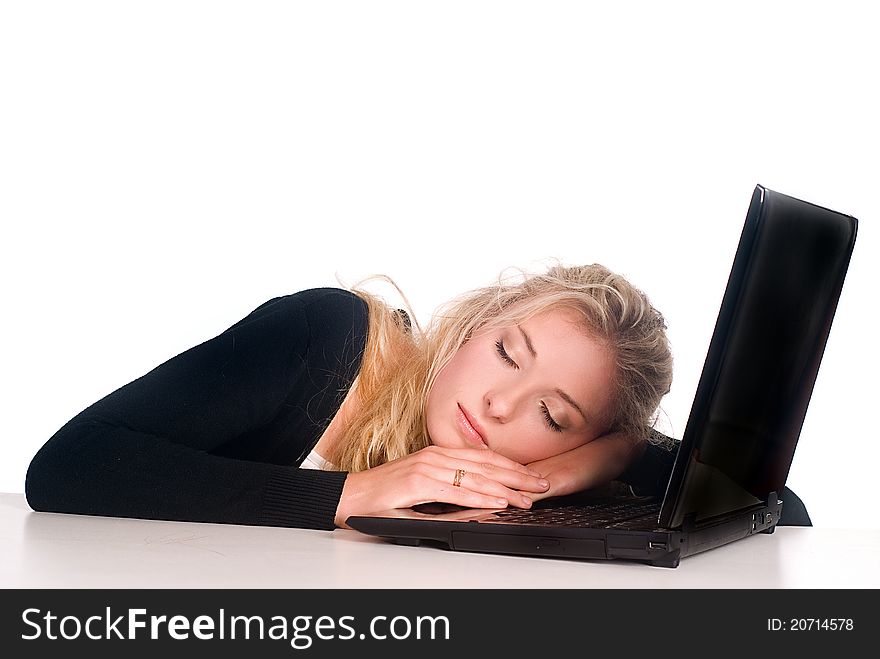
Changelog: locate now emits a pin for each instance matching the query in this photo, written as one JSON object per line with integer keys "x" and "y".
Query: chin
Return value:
{"x": 446, "y": 440}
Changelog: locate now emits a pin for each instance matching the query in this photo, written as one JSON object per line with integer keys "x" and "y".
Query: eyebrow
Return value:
{"x": 528, "y": 341}
{"x": 568, "y": 399}
{"x": 564, "y": 396}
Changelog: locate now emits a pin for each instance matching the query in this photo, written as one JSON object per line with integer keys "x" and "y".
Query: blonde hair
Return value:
{"x": 399, "y": 365}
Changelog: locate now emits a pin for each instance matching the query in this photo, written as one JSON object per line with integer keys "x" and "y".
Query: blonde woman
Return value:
{"x": 327, "y": 403}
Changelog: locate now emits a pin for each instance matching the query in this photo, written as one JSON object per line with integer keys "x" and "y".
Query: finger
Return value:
{"x": 514, "y": 479}
{"x": 538, "y": 496}
{"x": 464, "y": 480}
{"x": 481, "y": 455}
{"x": 480, "y": 483}
{"x": 462, "y": 496}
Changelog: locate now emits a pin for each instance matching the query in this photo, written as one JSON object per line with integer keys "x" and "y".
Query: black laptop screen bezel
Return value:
{"x": 673, "y": 514}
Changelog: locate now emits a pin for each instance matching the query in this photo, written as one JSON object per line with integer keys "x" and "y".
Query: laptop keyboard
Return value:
{"x": 617, "y": 514}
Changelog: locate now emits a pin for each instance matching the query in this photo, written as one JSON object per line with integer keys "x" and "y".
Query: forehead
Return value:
{"x": 557, "y": 325}
{"x": 569, "y": 358}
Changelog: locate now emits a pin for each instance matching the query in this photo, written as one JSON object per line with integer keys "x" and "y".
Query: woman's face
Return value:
{"x": 528, "y": 392}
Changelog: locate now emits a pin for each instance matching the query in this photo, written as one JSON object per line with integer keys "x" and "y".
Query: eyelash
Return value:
{"x": 550, "y": 422}
{"x": 499, "y": 347}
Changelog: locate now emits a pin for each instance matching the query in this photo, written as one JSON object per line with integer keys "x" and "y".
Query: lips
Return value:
{"x": 470, "y": 428}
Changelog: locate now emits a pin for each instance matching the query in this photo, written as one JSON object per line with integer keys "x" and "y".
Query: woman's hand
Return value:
{"x": 588, "y": 465}
{"x": 489, "y": 481}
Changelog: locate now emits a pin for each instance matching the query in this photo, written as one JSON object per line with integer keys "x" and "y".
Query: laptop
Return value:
{"x": 741, "y": 433}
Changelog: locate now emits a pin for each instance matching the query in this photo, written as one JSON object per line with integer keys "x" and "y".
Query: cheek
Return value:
{"x": 532, "y": 442}
{"x": 456, "y": 376}
{"x": 454, "y": 383}
{"x": 524, "y": 442}
{"x": 443, "y": 390}
{"x": 524, "y": 452}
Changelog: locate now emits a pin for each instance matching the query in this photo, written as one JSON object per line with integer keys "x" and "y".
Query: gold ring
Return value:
{"x": 459, "y": 474}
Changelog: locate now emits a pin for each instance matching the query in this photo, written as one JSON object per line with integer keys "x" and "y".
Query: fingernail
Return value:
{"x": 544, "y": 483}
{"x": 526, "y": 501}
{"x": 502, "y": 503}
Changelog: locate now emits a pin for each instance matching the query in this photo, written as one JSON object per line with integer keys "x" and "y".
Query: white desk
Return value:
{"x": 46, "y": 550}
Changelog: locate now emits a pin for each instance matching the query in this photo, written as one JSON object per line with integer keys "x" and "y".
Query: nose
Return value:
{"x": 501, "y": 405}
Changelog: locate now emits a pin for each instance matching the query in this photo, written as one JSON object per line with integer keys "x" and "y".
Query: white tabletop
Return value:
{"x": 47, "y": 550}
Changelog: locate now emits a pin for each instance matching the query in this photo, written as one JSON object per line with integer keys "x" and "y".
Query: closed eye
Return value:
{"x": 550, "y": 421}
{"x": 499, "y": 346}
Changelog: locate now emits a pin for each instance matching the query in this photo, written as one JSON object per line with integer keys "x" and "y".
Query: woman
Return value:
{"x": 324, "y": 404}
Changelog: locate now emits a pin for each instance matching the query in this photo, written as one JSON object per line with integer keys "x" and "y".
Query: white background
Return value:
{"x": 165, "y": 167}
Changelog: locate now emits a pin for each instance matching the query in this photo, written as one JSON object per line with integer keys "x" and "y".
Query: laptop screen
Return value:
{"x": 763, "y": 358}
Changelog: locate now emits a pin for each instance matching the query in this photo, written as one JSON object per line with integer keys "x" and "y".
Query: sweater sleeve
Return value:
{"x": 649, "y": 474}
{"x": 147, "y": 449}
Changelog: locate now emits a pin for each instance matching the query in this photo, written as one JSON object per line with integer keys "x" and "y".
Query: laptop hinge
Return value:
{"x": 689, "y": 523}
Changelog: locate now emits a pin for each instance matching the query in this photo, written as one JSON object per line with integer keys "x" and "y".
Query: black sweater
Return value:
{"x": 216, "y": 433}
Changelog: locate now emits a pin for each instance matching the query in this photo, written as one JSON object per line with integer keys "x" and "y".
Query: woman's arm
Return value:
{"x": 471, "y": 477}
{"x": 169, "y": 445}
{"x": 645, "y": 466}
{"x": 587, "y": 466}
